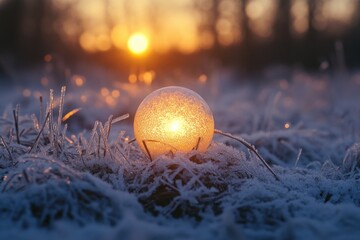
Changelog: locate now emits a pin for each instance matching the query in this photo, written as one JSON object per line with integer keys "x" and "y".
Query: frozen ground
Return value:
{"x": 84, "y": 181}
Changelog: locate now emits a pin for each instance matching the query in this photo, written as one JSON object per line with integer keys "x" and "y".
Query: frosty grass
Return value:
{"x": 96, "y": 185}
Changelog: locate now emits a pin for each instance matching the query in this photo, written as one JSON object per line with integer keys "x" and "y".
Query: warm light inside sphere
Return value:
{"x": 138, "y": 43}
{"x": 173, "y": 119}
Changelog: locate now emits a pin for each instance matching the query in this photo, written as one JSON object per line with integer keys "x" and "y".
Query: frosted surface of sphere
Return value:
{"x": 173, "y": 119}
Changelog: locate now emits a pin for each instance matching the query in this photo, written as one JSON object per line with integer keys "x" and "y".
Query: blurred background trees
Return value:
{"x": 246, "y": 34}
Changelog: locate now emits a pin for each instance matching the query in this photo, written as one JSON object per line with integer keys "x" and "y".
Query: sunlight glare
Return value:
{"x": 175, "y": 125}
{"x": 138, "y": 43}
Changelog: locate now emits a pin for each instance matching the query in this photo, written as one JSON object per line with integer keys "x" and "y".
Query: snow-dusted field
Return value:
{"x": 81, "y": 179}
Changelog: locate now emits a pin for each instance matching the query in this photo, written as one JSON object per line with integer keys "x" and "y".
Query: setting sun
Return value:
{"x": 138, "y": 43}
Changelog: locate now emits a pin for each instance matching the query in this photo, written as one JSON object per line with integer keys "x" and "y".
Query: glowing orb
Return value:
{"x": 173, "y": 119}
{"x": 138, "y": 43}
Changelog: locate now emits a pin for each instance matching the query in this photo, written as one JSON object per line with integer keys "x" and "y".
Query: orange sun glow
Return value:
{"x": 138, "y": 43}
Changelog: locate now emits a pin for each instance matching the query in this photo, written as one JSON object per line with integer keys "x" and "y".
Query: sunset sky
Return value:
{"x": 185, "y": 25}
